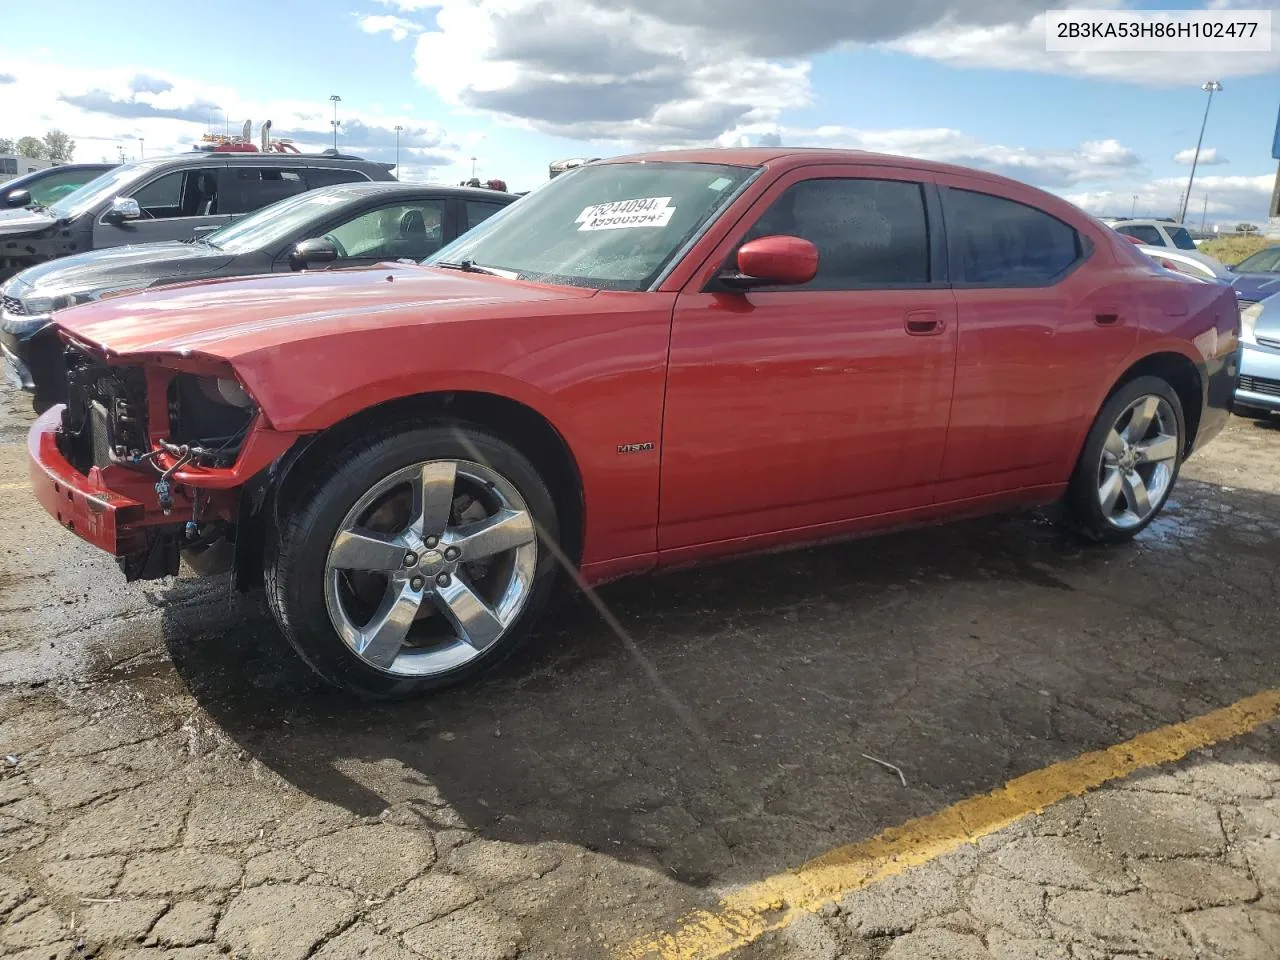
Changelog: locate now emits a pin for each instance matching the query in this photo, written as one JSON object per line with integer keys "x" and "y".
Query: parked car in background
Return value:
{"x": 1257, "y": 276}
{"x": 349, "y": 225}
{"x": 167, "y": 198}
{"x": 647, "y": 361}
{"x": 1258, "y": 389}
{"x": 49, "y": 184}
{"x": 1166, "y": 234}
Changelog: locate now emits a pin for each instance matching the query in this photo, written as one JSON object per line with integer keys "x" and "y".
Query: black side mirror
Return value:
{"x": 315, "y": 250}
{"x": 1230, "y": 266}
{"x": 17, "y": 198}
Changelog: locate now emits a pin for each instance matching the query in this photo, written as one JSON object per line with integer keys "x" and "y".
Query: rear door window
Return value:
{"x": 996, "y": 242}
{"x": 248, "y": 188}
{"x": 1147, "y": 234}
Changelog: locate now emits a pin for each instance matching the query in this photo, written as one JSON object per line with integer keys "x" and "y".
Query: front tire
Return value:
{"x": 412, "y": 558}
{"x": 1129, "y": 463}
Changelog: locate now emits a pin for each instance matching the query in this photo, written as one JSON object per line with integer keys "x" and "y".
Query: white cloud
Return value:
{"x": 398, "y": 27}
{"x": 1230, "y": 199}
{"x": 596, "y": 73}
{"x": 1090, "y": 161}
{"x": 103, "y": 110}
{"x": 1208, "y": 157}
{"x": 667, "y": 72}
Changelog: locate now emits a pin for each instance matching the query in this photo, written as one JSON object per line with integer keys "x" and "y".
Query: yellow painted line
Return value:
{"x": 15, "y": 486}
{"x": 748, "y": 914}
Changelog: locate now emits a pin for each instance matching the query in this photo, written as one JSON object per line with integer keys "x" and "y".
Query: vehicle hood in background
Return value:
{"x": 1256, "y": 286}
{"x": 19, "y": 220}
{"x": 116, "y": 267}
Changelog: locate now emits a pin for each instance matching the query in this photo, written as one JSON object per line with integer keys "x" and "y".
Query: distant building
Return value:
{"x": 11, "y": 166}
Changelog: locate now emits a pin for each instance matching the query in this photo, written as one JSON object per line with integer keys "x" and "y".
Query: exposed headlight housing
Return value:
{"x": 1249, "y": 322}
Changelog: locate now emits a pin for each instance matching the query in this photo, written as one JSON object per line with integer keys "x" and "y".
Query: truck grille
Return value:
{"x": 1260, "y": 385}
{"x": 13, "y": 305}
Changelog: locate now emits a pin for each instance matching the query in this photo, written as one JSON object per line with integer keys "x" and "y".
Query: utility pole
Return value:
{"x": 398, "y": 129}
{"x": 336, "y": 122}
{"x": 473, "y": 168}
{"x": 1133, "y": 206}
{"x": 1210, "y": 87}
{"x": 142, "y": 149}
{"x": 1204, "y": 214}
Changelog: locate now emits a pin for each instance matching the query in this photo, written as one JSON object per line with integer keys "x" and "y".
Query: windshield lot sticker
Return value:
{"x": 719, "y": 183}
{"x": 621, "y": 214}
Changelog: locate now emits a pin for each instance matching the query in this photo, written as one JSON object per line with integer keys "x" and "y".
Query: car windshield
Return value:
{"x": 610, "y": 226}
{"x": 99, "y": 189}
{"x": 1181, "y": 239}
{"x": 1264, "y": 261}
{"x": 272, "y": 224}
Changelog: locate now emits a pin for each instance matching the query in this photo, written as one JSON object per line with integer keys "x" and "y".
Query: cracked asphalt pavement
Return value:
{"x": 175, "y": 786}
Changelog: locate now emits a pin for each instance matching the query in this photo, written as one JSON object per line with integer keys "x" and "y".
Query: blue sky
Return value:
{"x": 518, "y": 83}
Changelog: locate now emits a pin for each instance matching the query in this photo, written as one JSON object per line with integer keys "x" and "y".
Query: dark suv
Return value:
{"x": 167, "y": 198}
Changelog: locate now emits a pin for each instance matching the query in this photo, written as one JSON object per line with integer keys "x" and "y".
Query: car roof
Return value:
{"x": 198, "y": 157}
{"x": 786, "y": 158}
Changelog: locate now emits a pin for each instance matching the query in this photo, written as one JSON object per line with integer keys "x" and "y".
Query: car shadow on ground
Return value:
{"x": 726, "y": 739}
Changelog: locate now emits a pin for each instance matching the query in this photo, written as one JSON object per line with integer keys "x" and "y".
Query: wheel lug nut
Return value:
{"x": 453, "y": 553}
{"x": 417, "y": 583}
{"x": 410, "y": 559}
{"x": 443, "y": 579}
{"x": 431, "y": 542}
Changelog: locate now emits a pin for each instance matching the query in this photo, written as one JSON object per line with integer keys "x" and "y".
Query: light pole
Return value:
{"x": 473, "y": 168}
{"x": 1210, "y": 87}
{"x": 336, "y": 100}
{"x": 1204, "y": 214}
{"x": 1133, "y": 206}
{"x": 398, "y": 129}
{"x": 142, "y": 149}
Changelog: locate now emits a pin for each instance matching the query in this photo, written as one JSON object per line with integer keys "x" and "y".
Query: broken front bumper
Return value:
{"x": 82, "y": 504}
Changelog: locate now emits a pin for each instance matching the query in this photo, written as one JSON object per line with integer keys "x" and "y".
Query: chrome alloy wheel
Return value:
{"x": 1138, "y": 461}
{"x": 430, "y": 567}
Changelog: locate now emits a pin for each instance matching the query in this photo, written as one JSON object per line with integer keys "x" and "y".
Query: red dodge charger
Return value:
{"x": 646, "y": 361}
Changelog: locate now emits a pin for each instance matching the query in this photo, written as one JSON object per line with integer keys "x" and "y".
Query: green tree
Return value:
{"x": 7, "y": 145}
{"x": 60, "y": 147}
{"x": 1246, "y": 228}
{"x": 33, "y": 148}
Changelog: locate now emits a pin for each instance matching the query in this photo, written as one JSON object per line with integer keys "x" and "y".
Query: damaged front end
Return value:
{"x": 150, "y": 458}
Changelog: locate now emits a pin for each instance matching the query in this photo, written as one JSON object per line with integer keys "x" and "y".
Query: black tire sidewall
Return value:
{"x": 302, "y": 546}
{"x": 1082, "y": 501}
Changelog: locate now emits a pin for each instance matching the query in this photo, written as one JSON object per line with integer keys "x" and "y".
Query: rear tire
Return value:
{"x": 445, "y": 599}
{"x": 1129, "y": 463}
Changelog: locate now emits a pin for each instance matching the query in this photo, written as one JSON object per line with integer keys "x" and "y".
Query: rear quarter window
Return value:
{"x": 328, "y": 176}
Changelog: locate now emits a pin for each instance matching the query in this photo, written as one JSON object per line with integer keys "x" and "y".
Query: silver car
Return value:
{"x": 1258, "y": 389}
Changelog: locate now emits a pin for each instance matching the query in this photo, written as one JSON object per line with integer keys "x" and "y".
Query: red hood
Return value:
{"x": 229, "y": 318}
